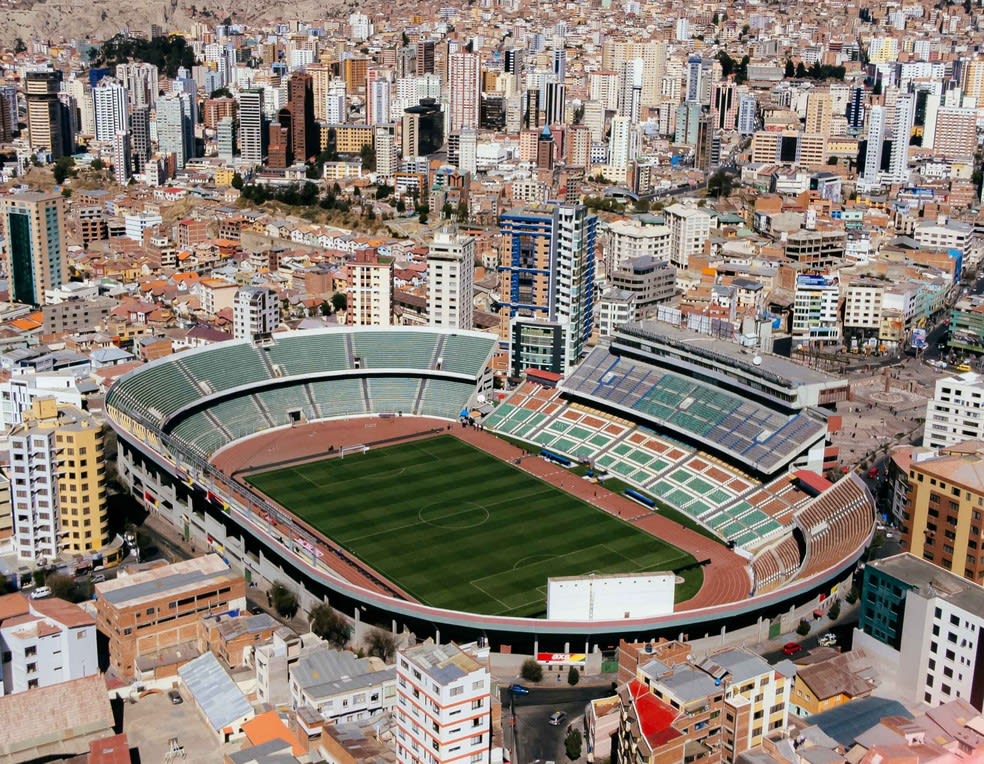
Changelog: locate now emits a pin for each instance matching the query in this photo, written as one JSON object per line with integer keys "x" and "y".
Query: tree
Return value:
{"x": 447, "y": 211}
{"x": 720, "y": 184}
{"x": 531, "y": 671}
{"x": 19, "y": 46}
{"x": 63, "y": 168}
{"x": 573, "y": 676}
{"x": 572, "y": 744}
{"x": 803, "y": 629}
{"x": 834, "y": 610}
{"x": 62, "y": 586}
{"x": 800, "y": 70}
{"x": 221, "y": 93}
{"x": 381, "y": 644}
{"x": 97, "y": 164}
{"x": 790, "y": 70}
{"x": 339, "y": 301}
{"x": 368, "y": 154}
{"x": 237, "y": 181}
{"x": 401, "y": 206}
{"x": 284, "y": 600}
{"x": 330, "y": 626}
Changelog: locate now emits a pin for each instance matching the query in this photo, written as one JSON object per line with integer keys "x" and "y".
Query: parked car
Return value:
{"x": 827, "y": 640}
{"x": 175, "y": 697}
{"x": 518, "y": 689}
{"x": 41, "y": 592}
{"x": 98, "y": 578}
{"x": 557, "y": 718}
{"x": 791, "y": 648}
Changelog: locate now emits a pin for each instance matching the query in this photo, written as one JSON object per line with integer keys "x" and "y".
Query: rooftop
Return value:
{"x": 443, "y": 663}
{"x": 169, "y": 580}
{"x": 930, "y": 580}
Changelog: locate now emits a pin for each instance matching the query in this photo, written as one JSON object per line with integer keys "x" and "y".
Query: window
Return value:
{"x": 455, "y": 691}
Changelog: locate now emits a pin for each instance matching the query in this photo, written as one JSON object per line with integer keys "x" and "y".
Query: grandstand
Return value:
{"x": 213, "y": 396}
{"x": 739, "y": 428}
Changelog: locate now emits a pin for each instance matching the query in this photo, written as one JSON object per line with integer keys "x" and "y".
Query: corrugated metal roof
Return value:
{"x": 213, "y": 689}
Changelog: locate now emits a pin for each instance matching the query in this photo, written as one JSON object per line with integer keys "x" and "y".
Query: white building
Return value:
{"x": 863, "y": 304}
{"x": 134, "y": 225}
{"x": 690, "y": 227}
{"x": 369, "y": 296}
{"x": 341, "y": 687}
{"x": 251, "y": 126}
{"x": 18, "y": 393}
{"x": 34, "y": 495}
{"x": 255, "y": 311}
{"x": 945, "y": 235}
{"x": 940, "y": 622}
{"x": 956, "y": 411}
{"x": 44, "y": 642}
{"x": 443, "y": 706}
{"x": 450, "y": 276}
{"x": 615, "y": 307}
{"x": 111, "y": 105}
{"x": 815, "y": 314}
{"x": 628, "y": 240}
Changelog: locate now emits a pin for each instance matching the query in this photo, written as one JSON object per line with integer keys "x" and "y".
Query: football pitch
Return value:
{"x": 459, "y": 529}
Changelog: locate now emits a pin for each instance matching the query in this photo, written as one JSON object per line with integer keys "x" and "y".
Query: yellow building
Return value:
{"x": 224, "y": 176}
{"x": 58, "y": 438}
{"x": 944, "y": 510}
{"x": 350, "y": 139}
{"x": 829, "y": 683}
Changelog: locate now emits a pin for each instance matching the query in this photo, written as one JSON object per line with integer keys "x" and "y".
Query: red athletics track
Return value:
{"x": 726, "y": 578}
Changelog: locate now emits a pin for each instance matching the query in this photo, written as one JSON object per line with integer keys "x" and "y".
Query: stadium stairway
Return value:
{"x": 263, "y": 409}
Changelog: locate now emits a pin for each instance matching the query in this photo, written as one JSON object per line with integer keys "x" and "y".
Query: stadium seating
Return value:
{"x": 444, "y": 397}
{"x": 465, "y": 354}
{"x": 835, "y": 523}
{"x": 200, "y": 433}
{"x": 157, "y": 391}
{"x": 278, "y": 402}
{"x": 226, "y": 365}
{"x": 239, "y": 416}
{"x": 304, "y": 353}
{"x": 776, "y": 564}
{"x": 393, "y": 394}
{"x": 395, "y": 349}
{"x": 748, "y": 431}
{"x": 338, "y": 397}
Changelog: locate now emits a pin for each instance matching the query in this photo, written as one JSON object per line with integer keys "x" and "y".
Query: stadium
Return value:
{"x": 376, "y": 468}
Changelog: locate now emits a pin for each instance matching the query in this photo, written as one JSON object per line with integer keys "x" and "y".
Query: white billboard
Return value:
{"x": 610, "y": 597}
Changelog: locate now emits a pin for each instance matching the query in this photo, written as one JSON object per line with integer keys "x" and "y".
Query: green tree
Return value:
{"x": 531, "y": 670}
{"x": 19, "y": 46}
{"x": 339, "y": 301}
{"x": 790, "y": 70}
{"x": 800, "y": 70}
{"x": 221, "y": 93}
{"x": 330, "y": 626}
{"x": 573, "y": 676}
{"x": 237, "y": 181}
{"x": 834, "y": 610}
{"x": 401, "y": 206}
{"x": 62, "y": 586}
{"x": 368, "y": 155}
{"x": 97, "y": 164}
{"x": 447, "y": 211}
{"x": 803, "y": 629}
{"x": 461, "y": 212}
{"x": 64, "y": 167}
{"x": 720, "y": 184}
{"x": 572, "y": 744}
{"x": 284, "y": 600}
{"x": 381, "y": 644}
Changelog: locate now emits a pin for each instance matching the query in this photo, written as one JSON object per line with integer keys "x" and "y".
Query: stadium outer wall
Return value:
{"x": 250, "y": 546}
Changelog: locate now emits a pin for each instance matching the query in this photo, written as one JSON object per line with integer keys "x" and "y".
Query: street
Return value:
{"x": 536, "y": 738}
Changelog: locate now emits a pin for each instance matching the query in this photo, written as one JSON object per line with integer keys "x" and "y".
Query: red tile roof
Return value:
{"x": 655, "y": 717}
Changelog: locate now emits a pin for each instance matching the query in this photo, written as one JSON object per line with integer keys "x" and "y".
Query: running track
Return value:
{"x": 726, "y": 577}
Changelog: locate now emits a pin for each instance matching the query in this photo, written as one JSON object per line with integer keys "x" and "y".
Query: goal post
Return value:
{"x": 354, "y": 449}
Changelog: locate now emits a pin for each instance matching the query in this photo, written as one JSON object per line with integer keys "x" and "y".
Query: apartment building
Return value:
{"x": 44, "y": 642}
{"x": 630, "y": 240}
{"x": 146, "y": 615}
{"x": 928, "y": 624}
{"x": 956, "y": 410}
{"x": 944, "y": 509}
{"x": 340, "y": 686}
{"x": 816, "y": 318}
{"x": 715, "y": 709}
{"x": 443, "y": 708}
{"x": 255, "y": 312}
{"x": 58, "y": 482}
{"x": 450, "y": 277}
{"x": 689, "y": 228}
{"x": 370, "y": 290}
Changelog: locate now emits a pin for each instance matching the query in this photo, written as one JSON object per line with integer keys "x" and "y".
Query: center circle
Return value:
{"x": 458, "y": 516}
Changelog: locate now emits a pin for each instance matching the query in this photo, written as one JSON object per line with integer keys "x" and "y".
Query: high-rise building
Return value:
{"x": 425, "y": 57}
{"x": 953, "y": 414}
{"x": 944, "y": 508}
{"x": 251, "y": 133}
{"x": 855, "y": 110}
{"x": 423, "y": 129}
{"x": 873, "y": 153}
{"x": 453, "y": 687}
{"x": 111, "y": 104}
{"x": 624, "y": 144}
{"x": 630, "y": 96}
{"x": 304, "y": 135}
{"x": 547, "y": 272}
{"x": 47, "y": 123}
{"x": 695, "y": 71}
{"x": 556, "y": 103}
{"x": 370, "y": 290}
{"x": 450, "y": 277}
{"x": 819, "y": 111}
{"x": 140, "y": 137}
{"x": 747, "y": 114}
{"x": 122, "y": 157}
{"x": 58, "y": 482}
{"x": 175, "y": 129}
{"x": 225, "y": 137}
{"x": 464, "y": 90}
{"x": 387, "y": 157}
{"x": 255, "y": 312}
{"x": 378, "y": 102}
{"x": 8, "y": 112}
{"x": 33, "y": 226}
{"x": 141, "y": 82}
{"x": 690, "y": 227}
{"x": 955, "y": 135}
{"x": 724, "y": 105}
{"x": 905, "y": 115}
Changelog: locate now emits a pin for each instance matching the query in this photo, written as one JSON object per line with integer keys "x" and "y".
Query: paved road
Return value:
{"x": 536, "y": 738}
{"x": 843, "y": 630}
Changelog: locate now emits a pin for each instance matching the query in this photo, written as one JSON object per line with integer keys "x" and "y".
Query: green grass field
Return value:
{"x": 460, "y": 529}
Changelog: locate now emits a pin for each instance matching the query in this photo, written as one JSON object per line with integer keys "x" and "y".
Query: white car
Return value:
{"x": 827, "y": 640}
{"x": 41, "y": 592}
